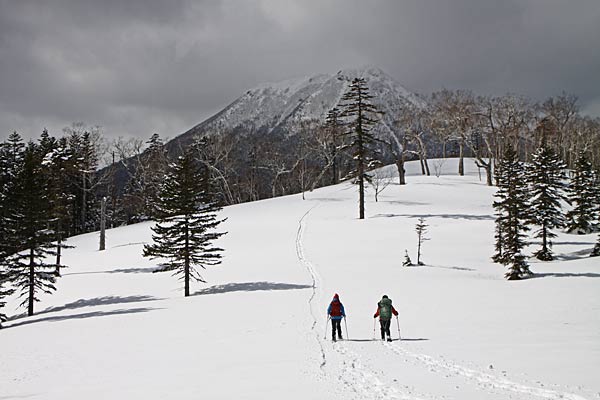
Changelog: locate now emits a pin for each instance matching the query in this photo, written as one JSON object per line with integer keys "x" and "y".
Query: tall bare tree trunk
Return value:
{"x": 58, "y": 254}
{"x": 401, "y": 171}
{"x": 461, "y": 161}
{"x": 103, "y": 224}
{"x": 186, "y": 266}
{"x": 31, "y": 282}
{"x": 83, "y": 201}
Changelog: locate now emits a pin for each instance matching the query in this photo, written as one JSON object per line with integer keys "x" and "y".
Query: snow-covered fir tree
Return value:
{"x": 187, "y": 220}
{"x": 56, "y": 171}
{"x": 156, "y": 164}
{"x": 83, "y": 178}
{"x": 4, "y": 291}
{"x": 362, "y": 115}
{"x": 11, "y": 160}
{"x": 511, "y": 211}
{"x": 596, "y": 196}
{"x": 547, "y": 190}
{"x": 32, "y": 240}
{"x": 145, "y": 178}
{"x": 583, "y": 197}
{"x": 407, "y": 261}
{"x": 596, "y": 250}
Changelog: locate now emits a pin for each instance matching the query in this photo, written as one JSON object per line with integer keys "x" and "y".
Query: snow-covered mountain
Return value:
{"x": 280, "y": 105}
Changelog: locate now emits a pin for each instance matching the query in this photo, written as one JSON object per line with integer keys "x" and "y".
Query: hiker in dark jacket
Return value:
{"x": 336, "y": 313}
{"x": 385, "y": 309}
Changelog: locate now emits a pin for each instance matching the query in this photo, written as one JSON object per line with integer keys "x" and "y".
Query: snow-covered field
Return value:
{"x": 114, "y": 330}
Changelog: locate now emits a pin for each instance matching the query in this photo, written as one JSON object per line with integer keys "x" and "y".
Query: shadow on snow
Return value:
{"x": 81, "y": 316}
{"x": 249, "y": 287}
{"x": 379, "y": 340}
{"x": 565, "y": 275}
{"x": 99, "y": 301}
{"x": 471, "y": 217}
{"x": 116, "y": 271}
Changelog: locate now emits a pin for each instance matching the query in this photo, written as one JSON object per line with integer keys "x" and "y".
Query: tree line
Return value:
{"x": 534, "y": 196}
{"x": 49, "y": 190}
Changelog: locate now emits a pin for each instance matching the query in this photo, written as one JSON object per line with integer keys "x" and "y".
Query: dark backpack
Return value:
{"x": 385, "y": 309}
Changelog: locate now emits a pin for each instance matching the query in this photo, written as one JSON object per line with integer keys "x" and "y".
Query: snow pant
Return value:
{"x": 385, "y": 328}
{"x": 336, "y": 324}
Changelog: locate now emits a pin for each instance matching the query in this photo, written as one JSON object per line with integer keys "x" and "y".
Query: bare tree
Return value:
{"x": 415, "y": 122}
{"x": 381, "y": 178}
{"x": 454, "y": 111}
{"x": 561, "y": 110}
{"x": 328, "y": 142}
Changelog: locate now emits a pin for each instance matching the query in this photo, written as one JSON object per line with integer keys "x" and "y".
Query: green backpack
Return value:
{"x": 385, "y": 309}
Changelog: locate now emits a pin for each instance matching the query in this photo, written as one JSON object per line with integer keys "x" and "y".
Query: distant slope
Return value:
{"x": 280, "y": 105}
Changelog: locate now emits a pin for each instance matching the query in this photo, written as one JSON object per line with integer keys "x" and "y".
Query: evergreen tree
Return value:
{"x": 596, "y": 196}
{"x": 82, "y": 166}
{"x": 596, "y": 250}
{"x": 421, "y": 229}
{"x": 11, "y": 160}
{"x": 143, "y": 187}
{"x": 356, "y": 106}
{"x": 184, "y": 231}
{"x": 546, "y": 179}
{"x": 511, "y": 211}
{"x": 3, "y": 293}
{"x": 582, "y": 196}
{"x": 60, "y": 200}
{"x": 29, "y": 220}
{"x": 407, "y": 261}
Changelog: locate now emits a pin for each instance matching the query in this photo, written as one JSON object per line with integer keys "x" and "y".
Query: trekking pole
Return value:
{"x": 326, "y": 325}
{"x": 398, "y": 323}
{"x": 346, "y": 325}
{"x": 374, "y": 323}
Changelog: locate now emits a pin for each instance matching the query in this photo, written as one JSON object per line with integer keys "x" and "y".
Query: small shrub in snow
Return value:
{"x": 407, "y": 261}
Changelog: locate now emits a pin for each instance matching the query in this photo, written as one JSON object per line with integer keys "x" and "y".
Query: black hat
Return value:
{"x": 384, "y": 296}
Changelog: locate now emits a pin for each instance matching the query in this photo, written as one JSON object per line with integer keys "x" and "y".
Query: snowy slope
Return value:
{"x": 280, "y": 105}
{"x": 256, "y": 331}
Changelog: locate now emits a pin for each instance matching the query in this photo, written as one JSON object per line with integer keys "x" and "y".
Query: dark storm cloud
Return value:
{"x": 136, "y": 67}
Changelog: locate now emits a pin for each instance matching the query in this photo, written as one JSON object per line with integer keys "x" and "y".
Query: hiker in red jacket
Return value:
{"x": 336, "y": 313}
{"x": 385, "y": 309}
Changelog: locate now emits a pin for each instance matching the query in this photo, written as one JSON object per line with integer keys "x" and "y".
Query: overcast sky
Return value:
{"x": 136, "y": 67}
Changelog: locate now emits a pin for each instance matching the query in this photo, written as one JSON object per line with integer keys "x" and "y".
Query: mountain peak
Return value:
{"x": 364, "y": 71}
{"x": 281, "y": 105}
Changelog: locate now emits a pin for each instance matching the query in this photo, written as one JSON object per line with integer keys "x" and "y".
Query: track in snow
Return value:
{"x": 361, "y": 380}
{"x": 315, "y": 282}
{"x": 366, "y": 384}
{"x": 483, "y": 380}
